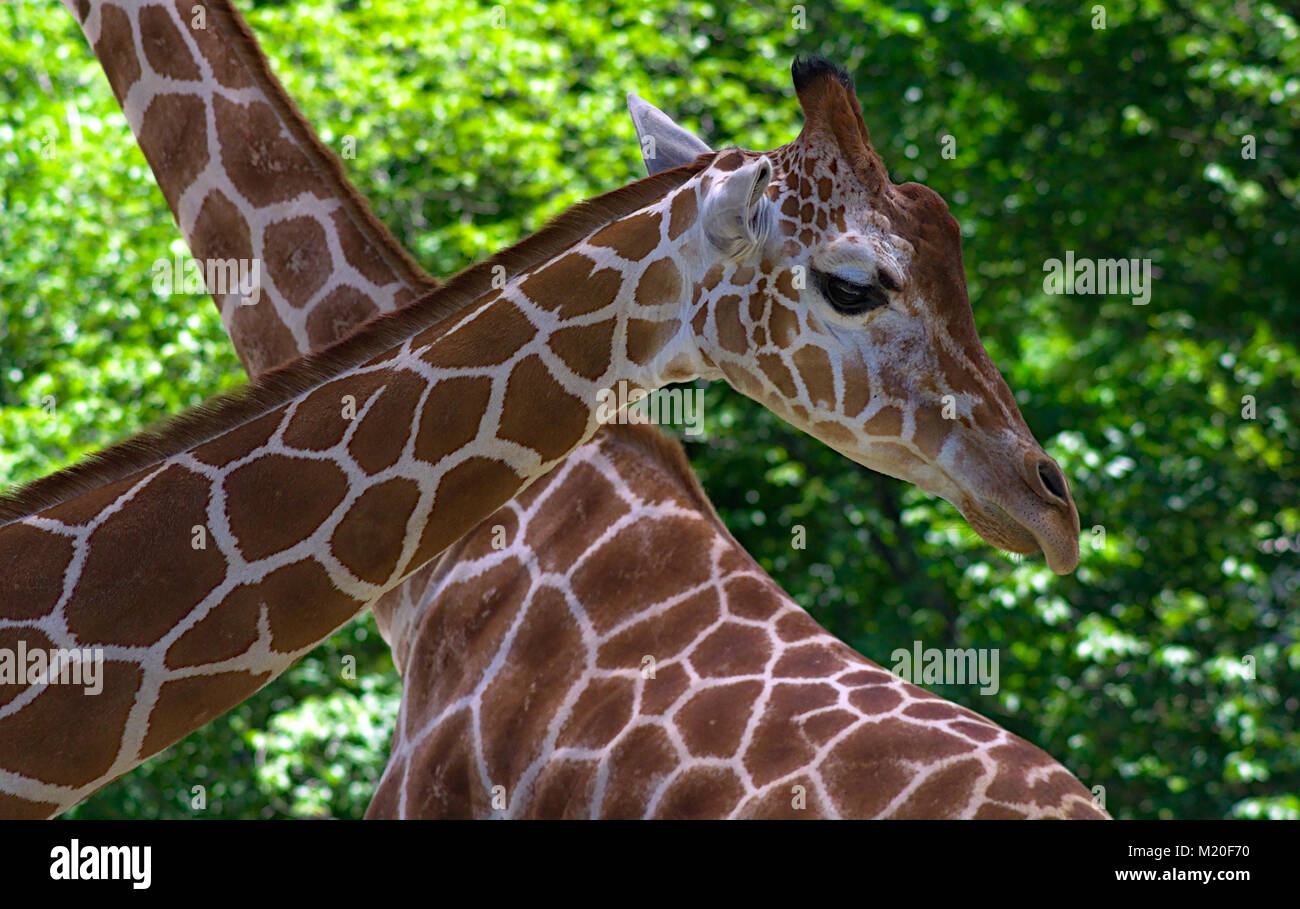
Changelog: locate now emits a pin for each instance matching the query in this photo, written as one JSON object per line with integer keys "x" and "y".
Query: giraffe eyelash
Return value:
{"x": 850, "y": 297}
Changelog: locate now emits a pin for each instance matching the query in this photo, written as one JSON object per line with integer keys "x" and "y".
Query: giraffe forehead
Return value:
{"x": 866, "y": 253}
{"x": 835, "y": 214}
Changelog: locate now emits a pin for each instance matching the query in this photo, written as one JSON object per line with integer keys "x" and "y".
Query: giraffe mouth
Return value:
{"x": 1000, "y": 528}
{"x": 1010, "y": 516}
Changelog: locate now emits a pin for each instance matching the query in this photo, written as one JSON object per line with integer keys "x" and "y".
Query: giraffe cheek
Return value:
{"x": 744, "y": 381}
{"x": 730, "y": 331}
{"x": 814, "y": 367}
{"x": 778, "y": 375}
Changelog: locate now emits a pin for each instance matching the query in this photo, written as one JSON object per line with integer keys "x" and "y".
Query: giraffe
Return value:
{"x": 603, "y": 647}
{"x": 647, "y": 470}
{"x": 252, "y": 448}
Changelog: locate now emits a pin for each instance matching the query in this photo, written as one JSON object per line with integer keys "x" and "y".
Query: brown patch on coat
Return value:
{"x": 116, "y": 48}
{"x": 504, "y": 329}
{"x": 545, "y": 659}
{"x": 474, "y": 487}
{"x": 713, "y": 721}
{"x": 335, "y": 317}
{"x": 450, "y": 416}
{"x": 647, "y": 338}
{"x": 186, "y": 704}
{"x": 277, "y": 501}
{"x": 164, "y": 47}
{"x": 381, "y": 437}
{"x": 539, "y": 413}
{"x": 662, "y": 636}
{"x": 585, "y": 349}
{"x": 142, "y": 574}
{"x": 814, "y": 367}
{"x": 600, "y": 713}
{"x": 649, "y": 562}
{"x": 32, "y": 563}
{"x": 368, "y": 541}
{"x": 54, "y": 738}
{"x": 174, "y": 139}
{"x": 682, "y": 213}
{"x": 573, "y": 285}
{"x": 660, "y": 283}
{"x": 298, "y": 258}
{"x": 637, "y": 765}
{"x": 633, "y": 237}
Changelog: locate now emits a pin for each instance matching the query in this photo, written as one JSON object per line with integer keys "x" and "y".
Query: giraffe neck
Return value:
{"x": 667, "y": 676}
{"x": 246, "y": 178}
{"x": 316, "y": 492}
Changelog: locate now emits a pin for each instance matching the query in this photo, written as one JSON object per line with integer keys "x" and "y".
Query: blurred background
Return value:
{"x": 1164, "y": 670}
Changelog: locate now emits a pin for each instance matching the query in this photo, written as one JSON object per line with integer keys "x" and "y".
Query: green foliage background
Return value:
{"x": 1125, "y": 140}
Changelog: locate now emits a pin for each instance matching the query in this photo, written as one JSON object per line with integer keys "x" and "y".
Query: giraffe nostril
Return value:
{"x": 1052, "y": 480}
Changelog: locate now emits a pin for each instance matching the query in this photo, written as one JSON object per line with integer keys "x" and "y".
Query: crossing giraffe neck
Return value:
{"x": 857, "y": 326}
{"x": 246, "y": 177}
{"x": 602, "y": 647}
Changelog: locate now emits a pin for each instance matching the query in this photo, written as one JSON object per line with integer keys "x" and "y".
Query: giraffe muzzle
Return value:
{"x": 1038, "y": 516}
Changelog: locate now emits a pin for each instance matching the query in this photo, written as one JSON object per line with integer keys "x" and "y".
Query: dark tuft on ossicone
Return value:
{"x": 806, "y": 70}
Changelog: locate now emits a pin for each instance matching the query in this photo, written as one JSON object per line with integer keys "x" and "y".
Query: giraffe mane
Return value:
{"x": 276, "y": 387}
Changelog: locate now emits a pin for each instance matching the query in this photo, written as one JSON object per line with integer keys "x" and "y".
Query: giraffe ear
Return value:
{"x": 736, "y": 212}
{"x": 664, "y": 144}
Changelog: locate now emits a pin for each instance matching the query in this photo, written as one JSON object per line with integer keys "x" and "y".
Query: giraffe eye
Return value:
{"x": 849, "y": 297}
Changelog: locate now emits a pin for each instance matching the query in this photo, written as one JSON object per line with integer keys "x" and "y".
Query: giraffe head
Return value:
{"x": 838, "y": 299}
